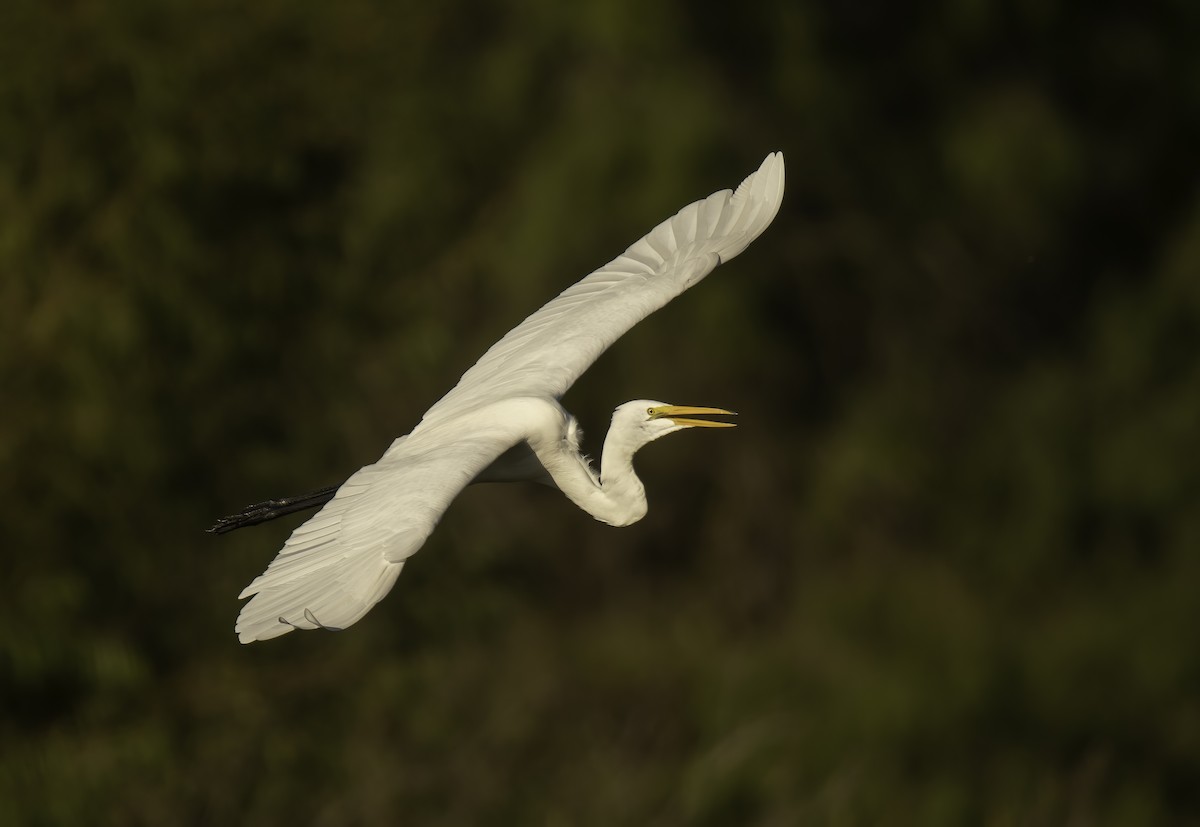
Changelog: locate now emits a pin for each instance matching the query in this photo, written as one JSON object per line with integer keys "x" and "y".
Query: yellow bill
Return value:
{"x": 683, "y": 415}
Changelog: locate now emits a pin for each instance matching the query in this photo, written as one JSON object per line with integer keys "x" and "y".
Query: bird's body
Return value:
{"x": 503, "y": 422}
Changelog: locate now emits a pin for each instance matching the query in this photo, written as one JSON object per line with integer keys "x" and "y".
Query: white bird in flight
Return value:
{"x": 503, "y": 422}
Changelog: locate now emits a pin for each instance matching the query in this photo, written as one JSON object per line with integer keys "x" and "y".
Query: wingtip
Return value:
{"x": 764, "y": 187}
{"x": 251, "y": 632}
{"x": 773, "y": 159}
{"x": 767, "y": 180}
{"x": 773, "y": 163}
{"x": 777, "y": 167}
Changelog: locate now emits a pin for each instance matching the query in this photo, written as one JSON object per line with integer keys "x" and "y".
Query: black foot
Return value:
{"x": 273, "y": 509}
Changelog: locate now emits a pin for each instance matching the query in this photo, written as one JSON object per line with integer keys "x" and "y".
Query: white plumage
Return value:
{"x": 503, "y": 421}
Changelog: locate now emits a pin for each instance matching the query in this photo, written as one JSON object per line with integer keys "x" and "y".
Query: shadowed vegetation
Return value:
{"x": 944, "y": 572}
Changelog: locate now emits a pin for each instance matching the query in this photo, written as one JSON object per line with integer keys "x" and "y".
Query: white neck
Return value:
{"x": 616, "y": 496}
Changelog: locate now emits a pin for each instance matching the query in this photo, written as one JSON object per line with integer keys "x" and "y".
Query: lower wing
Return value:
{"x": 346, "y": 557}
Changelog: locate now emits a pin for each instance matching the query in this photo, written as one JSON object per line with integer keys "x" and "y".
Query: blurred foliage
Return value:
{"x": 945, "y": 572}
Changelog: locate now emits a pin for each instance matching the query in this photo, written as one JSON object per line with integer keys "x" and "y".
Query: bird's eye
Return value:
{"x": 650, "y": 411}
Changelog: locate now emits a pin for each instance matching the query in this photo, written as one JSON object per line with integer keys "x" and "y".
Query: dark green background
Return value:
{"x": 944, "y": 573}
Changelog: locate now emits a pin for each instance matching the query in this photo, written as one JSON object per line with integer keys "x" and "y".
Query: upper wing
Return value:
{"x": 546, "y": 353}
{"x": 346, "y": 557}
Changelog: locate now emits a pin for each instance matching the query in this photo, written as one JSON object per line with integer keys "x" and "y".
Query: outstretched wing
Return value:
{"x": 343, "y": 560}
{"x": 346, "y": 557}
{"x": 546, "y": 353}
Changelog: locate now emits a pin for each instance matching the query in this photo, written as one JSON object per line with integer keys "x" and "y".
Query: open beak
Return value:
{"x": 683, "y": 415}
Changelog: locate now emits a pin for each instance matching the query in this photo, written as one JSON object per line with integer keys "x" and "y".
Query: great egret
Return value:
{"x": 503, "y": 422}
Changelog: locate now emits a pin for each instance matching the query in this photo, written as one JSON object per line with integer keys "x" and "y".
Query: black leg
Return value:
{"x": 273, "y": 509}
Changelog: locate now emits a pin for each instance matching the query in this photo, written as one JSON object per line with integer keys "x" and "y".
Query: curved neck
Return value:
{"x": 616, "y": 496}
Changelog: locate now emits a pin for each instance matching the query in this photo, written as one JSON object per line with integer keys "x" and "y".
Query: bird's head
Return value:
{"x": 645, "y": 420}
